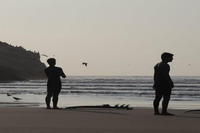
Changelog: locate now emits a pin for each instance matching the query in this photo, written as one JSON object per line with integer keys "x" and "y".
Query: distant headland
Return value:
{"x": 17, "y": 63}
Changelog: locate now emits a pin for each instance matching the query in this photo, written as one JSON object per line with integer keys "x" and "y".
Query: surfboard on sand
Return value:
{"x": 117, "y": 106}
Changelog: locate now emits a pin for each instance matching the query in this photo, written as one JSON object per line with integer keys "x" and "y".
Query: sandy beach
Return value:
{"x": 138, "y": 120}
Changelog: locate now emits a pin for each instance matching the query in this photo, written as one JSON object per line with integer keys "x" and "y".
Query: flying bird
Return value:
{"x": 44, "y": 55}
{"x": 85, "y": 63}
{"x": 16, "y": 98}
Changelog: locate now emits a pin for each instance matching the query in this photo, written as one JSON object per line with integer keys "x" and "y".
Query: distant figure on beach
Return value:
{"x": 162, "y": 84}
{"x": 54, "y": 82}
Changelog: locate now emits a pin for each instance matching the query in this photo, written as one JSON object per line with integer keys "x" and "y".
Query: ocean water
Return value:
{"x": 97, "y": 90}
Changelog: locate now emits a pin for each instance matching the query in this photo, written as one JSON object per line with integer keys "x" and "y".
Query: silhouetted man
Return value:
{"x": 162, "y": 84}
{"x": 54, "y": 83}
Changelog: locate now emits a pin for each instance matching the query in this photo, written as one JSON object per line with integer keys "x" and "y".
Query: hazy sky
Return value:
{"x": 115, "y": 37}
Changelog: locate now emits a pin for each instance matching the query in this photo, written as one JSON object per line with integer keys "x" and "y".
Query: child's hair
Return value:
{"x": 51, "y": 61}
{"x": 166, "y": 55}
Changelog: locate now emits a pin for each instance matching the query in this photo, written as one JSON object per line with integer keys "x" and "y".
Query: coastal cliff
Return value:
{"x": 16, "y": 63}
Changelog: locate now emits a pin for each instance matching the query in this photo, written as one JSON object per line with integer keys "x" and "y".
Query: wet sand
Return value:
{"x": 138, "y": 120}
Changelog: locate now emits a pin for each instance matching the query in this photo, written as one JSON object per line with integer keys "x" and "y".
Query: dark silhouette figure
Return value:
{"x": 54, "y": 83}
{"x": 162, "y": 84}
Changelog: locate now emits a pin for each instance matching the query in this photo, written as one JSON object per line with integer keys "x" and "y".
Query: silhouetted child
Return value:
{"x": 54, "y": 83}
{"x": 162, "y": 84}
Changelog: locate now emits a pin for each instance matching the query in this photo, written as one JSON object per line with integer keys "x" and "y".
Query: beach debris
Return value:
{"x": 17, "y": 99}
{"x": 123, "y": 106}
{"x": 8, "y": 94}
{"x": 85, "y": 63}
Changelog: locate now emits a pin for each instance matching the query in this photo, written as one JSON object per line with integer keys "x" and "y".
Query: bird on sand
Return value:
{"x": 8, "y": 94}
{"x": 16, "y": 98}
{"x": 85, "y": 63}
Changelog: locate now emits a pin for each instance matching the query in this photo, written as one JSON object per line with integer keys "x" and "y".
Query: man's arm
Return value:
{"x": 45, "y": 71}
{"x": 167, "y": 77}
{"x": 155, "y": 72}
{"x": 155, "y": 77}
{"x": 62, "y": 74}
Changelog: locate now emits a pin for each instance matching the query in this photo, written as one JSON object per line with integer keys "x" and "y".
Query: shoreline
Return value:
{"x": 182, "y": 105}
{"x": 39, "y": 119}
